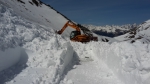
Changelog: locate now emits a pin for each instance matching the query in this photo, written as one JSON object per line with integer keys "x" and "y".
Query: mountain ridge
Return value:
{"x": 111, "y": 31}
{"x": 141, "y": 33}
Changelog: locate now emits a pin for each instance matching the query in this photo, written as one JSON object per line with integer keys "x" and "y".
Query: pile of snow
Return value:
{"x": 8, "y": 40}
{"x": 50, "y": 56}
{"x": 42, "y": 48}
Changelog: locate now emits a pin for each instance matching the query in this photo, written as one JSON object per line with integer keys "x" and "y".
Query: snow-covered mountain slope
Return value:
{"x": 38, "y": 12}
{"x": 111, "y": 31}
{"x": 32, "y": 53}
{"x": 141, "y": 33}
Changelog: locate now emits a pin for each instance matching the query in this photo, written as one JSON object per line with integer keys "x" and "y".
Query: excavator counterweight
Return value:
{"x": 76, "y": 35}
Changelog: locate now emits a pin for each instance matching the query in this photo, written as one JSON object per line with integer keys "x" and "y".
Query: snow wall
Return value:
{"x": 19, "y": 37}
{"x": 130, "y": 62}
{"x": 65, "y": 59}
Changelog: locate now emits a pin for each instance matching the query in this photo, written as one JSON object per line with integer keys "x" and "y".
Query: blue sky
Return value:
{"x": 103, "y": 12}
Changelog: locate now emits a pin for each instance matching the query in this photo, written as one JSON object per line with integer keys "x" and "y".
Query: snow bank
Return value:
{"x": 129, "y": 62}
{"x": 66, "y": 56}
{"x": 65, "y": 59}
{"x": 44, "y": 50}
{"x": 9, "y": 57}
{"x": 53, "y": 54}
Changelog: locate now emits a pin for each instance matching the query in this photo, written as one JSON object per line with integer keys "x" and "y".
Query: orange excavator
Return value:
{"x": 76, "y": 35}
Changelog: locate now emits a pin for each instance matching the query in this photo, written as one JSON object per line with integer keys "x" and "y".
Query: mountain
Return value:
{"x": 141, "y": 33}
{"x": 111, "y": 31}
{"x": 32, "y": 53}
{"x": 38, "y": 12}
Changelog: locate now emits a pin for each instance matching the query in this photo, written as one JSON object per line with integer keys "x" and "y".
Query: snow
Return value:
{"x": 112, "y": 28}
{"x": 91, "y": 73}
{"x": 125, "y": 59}
{"x": 32, "y": 53}
{"x": 129, "y": 62}
{"x": 9, "y": 57}
{"x": 87, "y": 70}
{"x": 42, "y": 14}
{"x": 141, "y": 33}
{"x": 41, "y": 51}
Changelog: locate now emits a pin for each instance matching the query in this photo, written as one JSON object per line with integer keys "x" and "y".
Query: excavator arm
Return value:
{"x": 72, "y": 25}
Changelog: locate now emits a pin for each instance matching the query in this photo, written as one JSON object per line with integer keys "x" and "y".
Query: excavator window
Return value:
{"x": 74, "y": 33}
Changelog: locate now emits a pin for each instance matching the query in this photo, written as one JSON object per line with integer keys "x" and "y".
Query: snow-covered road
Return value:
{"x": 91, "y": 72}
{"x": 128, "y": 62}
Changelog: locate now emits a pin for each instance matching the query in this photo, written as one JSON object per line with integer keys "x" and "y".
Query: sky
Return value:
{"x": 103, "y": 12}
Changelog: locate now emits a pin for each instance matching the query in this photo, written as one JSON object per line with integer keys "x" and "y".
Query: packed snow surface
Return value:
{"x": 32, "y": 53}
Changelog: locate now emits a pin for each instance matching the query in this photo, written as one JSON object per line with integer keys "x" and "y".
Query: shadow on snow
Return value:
{"x": 11, "y": 72}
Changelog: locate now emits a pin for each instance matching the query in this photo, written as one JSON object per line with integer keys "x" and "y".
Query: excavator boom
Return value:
{"x": 71, "y": 24}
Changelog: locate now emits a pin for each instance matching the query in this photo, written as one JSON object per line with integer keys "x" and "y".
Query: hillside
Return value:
{"x": 38, "y": 12}
{"x": 141, "y": 33}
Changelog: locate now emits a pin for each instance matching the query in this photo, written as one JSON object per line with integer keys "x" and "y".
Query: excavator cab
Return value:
{"x": 73, "y": 34}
